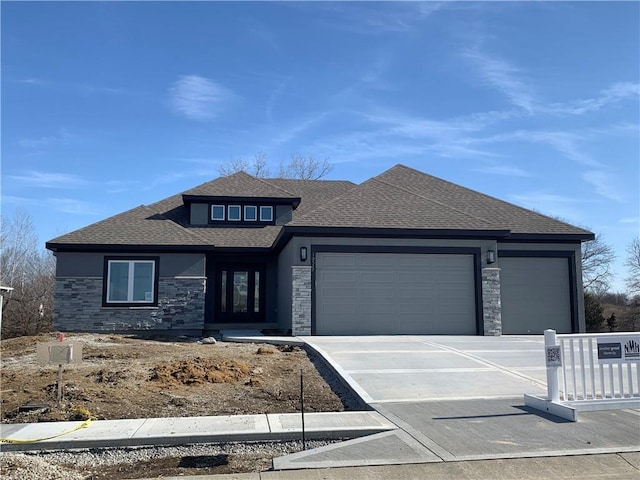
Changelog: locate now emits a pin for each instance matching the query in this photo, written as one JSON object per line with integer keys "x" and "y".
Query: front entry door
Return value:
{"x": 240, "y": 294}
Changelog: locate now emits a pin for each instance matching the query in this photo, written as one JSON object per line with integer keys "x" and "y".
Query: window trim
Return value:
{"x": 262, "y": 219}
{"x": 130, "y": 302}
{"x": 245, "y": 213}
{"x": 239, "y": 207}
{"x": 224, "y": 213}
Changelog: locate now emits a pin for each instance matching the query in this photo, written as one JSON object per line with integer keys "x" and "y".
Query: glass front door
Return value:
{"x": 240, "y": 294}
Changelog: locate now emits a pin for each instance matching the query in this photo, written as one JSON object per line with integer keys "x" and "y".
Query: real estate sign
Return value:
{"x": 616, "y": 349}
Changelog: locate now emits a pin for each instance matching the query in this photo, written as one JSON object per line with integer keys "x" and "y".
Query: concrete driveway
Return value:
{"x": 387, "y": 369}
{"x": 456, "y": 399}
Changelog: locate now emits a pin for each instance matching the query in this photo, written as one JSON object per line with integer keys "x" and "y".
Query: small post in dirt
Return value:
{"x": 304, "y": 440}
{"x": 61, "y": 340}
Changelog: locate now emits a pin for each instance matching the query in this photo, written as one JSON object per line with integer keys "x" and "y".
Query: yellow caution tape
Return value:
{"x": 82, "y": 425}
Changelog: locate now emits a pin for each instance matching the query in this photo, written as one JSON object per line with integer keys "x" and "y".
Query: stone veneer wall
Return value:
{"x": 491, "y": 305}
{"x": 78, "y": 307}
{"x": 301, "y": 300}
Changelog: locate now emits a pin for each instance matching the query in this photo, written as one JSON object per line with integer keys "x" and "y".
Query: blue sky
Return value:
{"x": 109, "y": 105}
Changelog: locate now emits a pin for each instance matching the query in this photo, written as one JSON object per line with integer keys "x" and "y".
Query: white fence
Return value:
{"x": 584, "y": 378}
{"x": 590, "y": 372}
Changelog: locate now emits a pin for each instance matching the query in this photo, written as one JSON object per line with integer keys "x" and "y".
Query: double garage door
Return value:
{"x": 394, "y": 293}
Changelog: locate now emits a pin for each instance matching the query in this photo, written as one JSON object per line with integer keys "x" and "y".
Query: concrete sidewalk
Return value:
{"x": 623, "y": 466}
{"x": 187, "y": 430}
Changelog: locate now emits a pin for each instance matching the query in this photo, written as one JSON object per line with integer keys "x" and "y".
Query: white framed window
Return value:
{"x": 131, "y": 281}
{"x": 250, "y": 213}
{"x": 233, "y": 213}
{"x": 217, "y": 212}
{"x": 266, "y": 213}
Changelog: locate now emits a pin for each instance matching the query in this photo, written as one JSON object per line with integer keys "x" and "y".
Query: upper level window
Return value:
{"x": 266, "y": 214}
{"x": 233, "y": 213}
{"x": 240, "y": 213}
{"x": 131, "y": 281}
{"x": 250, "y": 213}
{"x": 217, "y": 212}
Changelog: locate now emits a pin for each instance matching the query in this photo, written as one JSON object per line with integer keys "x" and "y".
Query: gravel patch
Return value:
{"x": 79, "y": 464}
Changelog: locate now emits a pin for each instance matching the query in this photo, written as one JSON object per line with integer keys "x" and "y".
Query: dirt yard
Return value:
{"x": 122, "y": 376}
{"x": 126, "y": 377}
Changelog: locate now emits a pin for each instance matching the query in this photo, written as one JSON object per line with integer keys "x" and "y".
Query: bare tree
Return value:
{"x": 305, "y": 168}
{"x": 30, "y": 271}
{"x": 258, "y": 167}
{"x": 300, "y": 167}
{"x": 633, "y": 264}
{"x": 596, "y": 265}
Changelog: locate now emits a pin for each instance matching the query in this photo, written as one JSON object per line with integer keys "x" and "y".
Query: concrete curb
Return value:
{"x": 190, "y": 430}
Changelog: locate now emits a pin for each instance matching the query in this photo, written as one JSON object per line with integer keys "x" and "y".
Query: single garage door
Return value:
{"x": 391, "y": 293}
{"x": 535, "y": 295}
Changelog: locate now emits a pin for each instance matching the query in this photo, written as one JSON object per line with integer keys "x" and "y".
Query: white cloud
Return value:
{"x": 566, "y": 143}
{"x": 504, "y": 77}
{"x": 571, "y": 209}
{"x": 372, "y": 18}
{"x": 48, "y": 179}
{"x": 198, "y": 98}
{"x": 505, "y": 170}
{"x": 604, "y": 183}
{"x": 613, "y": 94}
{"x": 274, "y": 97}
{"x": 72, "y": 206}
{"x": 63, "y": 137}
{"x": 630, "y": 220}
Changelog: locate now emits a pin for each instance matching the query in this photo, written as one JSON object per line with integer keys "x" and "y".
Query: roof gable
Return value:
{"x": 239, "y": 184}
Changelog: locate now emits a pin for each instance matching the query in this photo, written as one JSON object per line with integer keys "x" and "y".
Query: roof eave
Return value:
{"x": 105, "y": 247}
{"x": 294, "y": 201}
{"x": 551, "y": 237}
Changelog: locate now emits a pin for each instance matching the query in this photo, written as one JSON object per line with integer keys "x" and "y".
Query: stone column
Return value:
{"x": 491, "y": 306}
{"x": 301, "y": 300}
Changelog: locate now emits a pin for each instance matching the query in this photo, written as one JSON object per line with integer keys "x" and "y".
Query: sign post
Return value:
{"x": 553, "y": 356}
{"x": 59, "y": 353}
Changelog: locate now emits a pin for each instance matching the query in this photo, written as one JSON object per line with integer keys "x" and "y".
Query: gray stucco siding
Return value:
{"x": 199, "y": 213}
{"x": 90, "y": 264}
{"x": 285, "y": 286}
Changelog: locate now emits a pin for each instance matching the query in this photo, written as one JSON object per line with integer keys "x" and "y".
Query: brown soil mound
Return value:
{"x": 198, "y": 371}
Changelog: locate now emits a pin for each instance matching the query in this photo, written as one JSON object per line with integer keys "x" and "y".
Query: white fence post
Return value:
{"x": 552, "y": 367}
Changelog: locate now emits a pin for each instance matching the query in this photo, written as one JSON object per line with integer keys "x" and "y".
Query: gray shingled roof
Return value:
{"x": 166, "y": 223}
{"x": 400, "y": 198}
{"x": 502, "y": 214}
{"x": 403, "y": 197}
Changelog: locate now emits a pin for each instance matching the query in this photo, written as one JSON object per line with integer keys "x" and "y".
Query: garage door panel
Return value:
{"x": 415, "y": 278}
{"x": 374, "y": 309}
{"x": 395, "y": 294}
{"x": 375, "y": 277}
{"x": 379, "y": 260}
{"x": 535, "y": 295}
{"x": 333, "y": 277}
{"x": 425, "y": 295}
{"x": 344, "y": 291}
{"x": 334, "y": 261}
